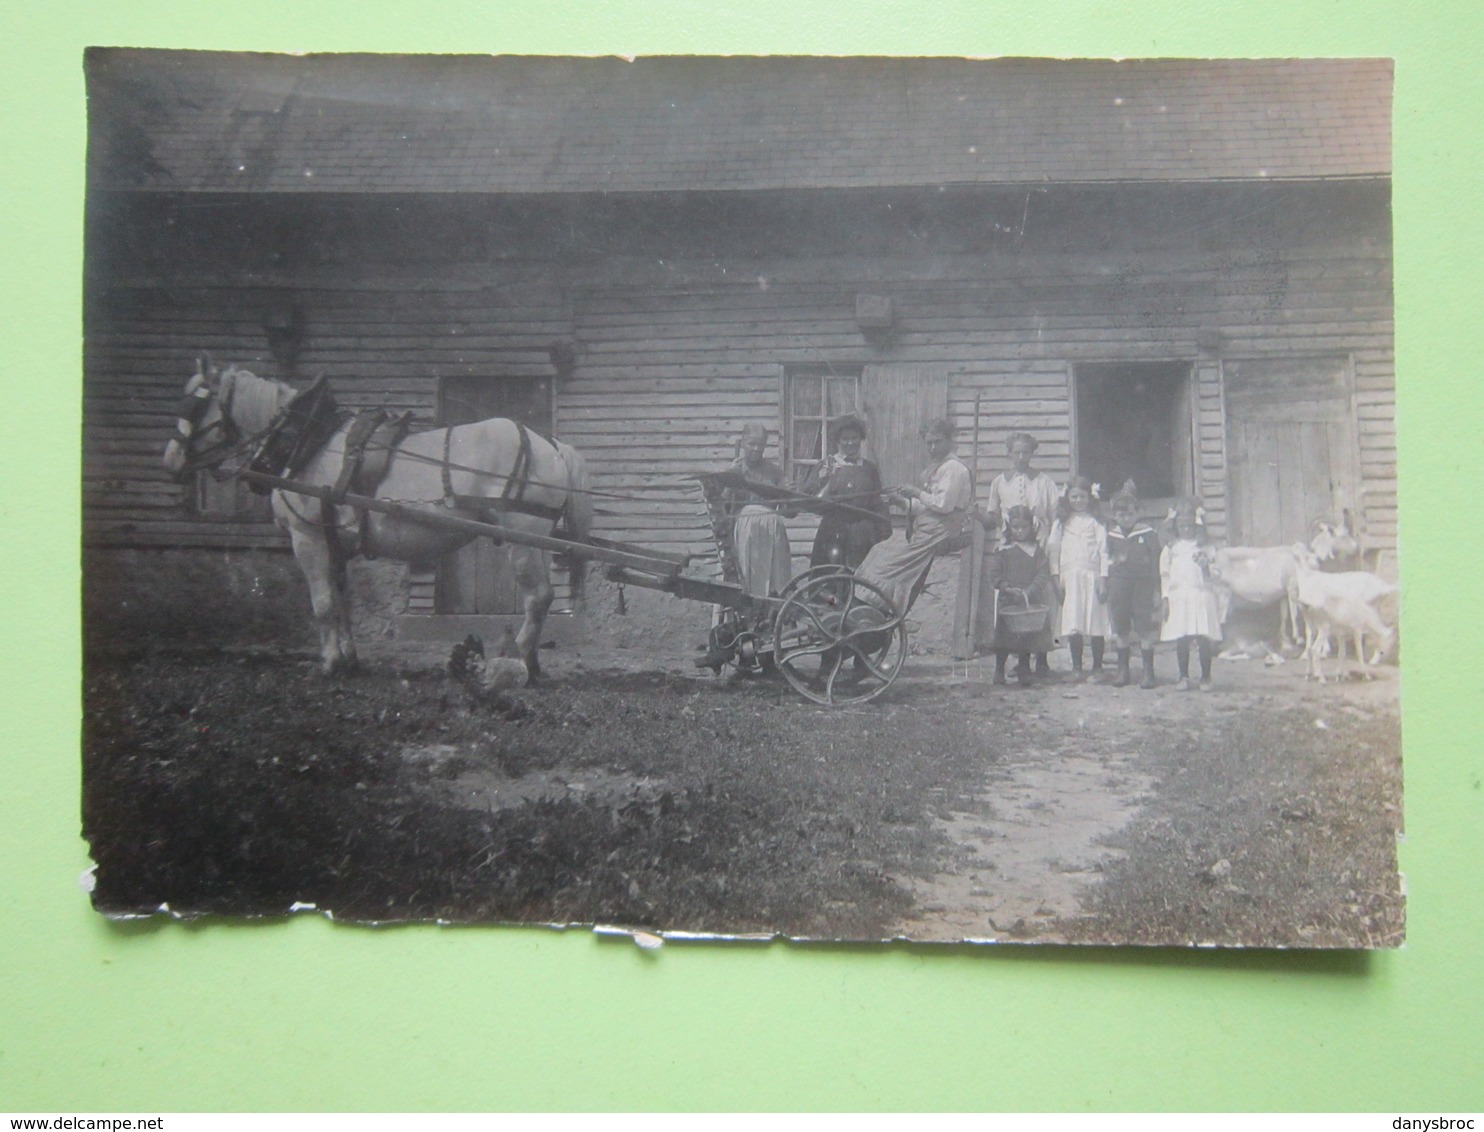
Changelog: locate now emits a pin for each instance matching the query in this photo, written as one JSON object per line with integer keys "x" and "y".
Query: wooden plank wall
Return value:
{"x": 1375, "y": 410}
{"x": 381, "y": 343}
{"x": 140, "y": 349}
{"x": 670, "y": 374}
{"x": 674, "y": 361}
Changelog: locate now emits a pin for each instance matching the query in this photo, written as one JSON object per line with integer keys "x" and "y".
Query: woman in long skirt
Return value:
{"x": 764, "y": 557}
{"x": 938, "y": 506}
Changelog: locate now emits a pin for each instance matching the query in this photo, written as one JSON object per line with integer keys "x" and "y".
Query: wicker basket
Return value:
{"x": 1031, "y": 620}
{"x": 1026, "y": 618}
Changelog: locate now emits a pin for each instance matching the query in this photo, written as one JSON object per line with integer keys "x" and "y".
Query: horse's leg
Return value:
{"x": 533, "y": 586}
{"x": 326, "y": 596}
{"x": 344, "y": 639}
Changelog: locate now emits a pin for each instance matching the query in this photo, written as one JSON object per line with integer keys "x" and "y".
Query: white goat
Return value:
{"x": 1261, "y": 576}
{"x": 1336, "y": 604}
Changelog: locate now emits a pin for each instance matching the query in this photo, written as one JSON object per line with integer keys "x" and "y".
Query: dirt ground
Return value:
{"x": 631, "y": 790}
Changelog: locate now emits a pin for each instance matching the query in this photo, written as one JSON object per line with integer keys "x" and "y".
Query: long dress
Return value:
{"x": 1078, "y": 549}
{"x": 764, "y": 557}
{"x": 900, "y": 565}
{"x": 1185, "y": 571}
{"x": 1017, "y": 567}
{"x": 846, "y": 538}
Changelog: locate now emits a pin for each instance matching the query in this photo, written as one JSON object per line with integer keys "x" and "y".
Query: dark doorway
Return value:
{"x": 1135, "y": 421}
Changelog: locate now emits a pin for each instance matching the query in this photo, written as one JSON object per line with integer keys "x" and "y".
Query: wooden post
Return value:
{"x": 970, "y": 568}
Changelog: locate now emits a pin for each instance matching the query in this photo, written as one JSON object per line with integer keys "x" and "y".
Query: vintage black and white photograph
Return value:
{"x": 836, "y": 498}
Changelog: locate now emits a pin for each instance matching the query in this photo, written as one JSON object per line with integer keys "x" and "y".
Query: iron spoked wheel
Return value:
{"x": 837, "y": 638}
{"x": 828, "y": 570}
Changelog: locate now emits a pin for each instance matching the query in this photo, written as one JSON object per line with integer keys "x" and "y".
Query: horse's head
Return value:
{"x": 202, "y": 427}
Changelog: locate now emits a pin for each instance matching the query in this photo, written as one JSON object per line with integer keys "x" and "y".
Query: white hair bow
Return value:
{"x": 1200, "y": 515}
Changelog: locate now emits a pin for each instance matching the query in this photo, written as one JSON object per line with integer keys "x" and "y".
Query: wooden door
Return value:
{"x": 1182, "y": 438}
{"x": 477, "y": 577}
{"x": 1291, "y": 447}
{"x": 897, "y": 402}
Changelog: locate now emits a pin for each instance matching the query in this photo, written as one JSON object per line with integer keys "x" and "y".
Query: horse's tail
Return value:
{"x": 577, "y": 515}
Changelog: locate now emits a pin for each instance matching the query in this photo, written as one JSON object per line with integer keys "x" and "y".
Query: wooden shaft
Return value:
{"x": 431, "y": 515}
{"x": 693, "y": 589}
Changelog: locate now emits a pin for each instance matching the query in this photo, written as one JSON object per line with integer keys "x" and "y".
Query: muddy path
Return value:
{"x": 625, "y": 792}
{"x": 1027, "y": 848}
{"x": 1175, "y": 810}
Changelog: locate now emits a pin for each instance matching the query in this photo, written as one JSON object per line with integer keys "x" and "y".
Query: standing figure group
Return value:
{"x": 1060, "y": 569}
{"x": 759, "y": 533}
{"x": 1097, "y": 579}
{"x": 1036, "y": 492}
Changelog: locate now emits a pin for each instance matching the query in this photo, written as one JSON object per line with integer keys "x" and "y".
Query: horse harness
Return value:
{"x": 513, "y": 497}
{"x": 305, "y": 425}
{"x": 302, "y": 428}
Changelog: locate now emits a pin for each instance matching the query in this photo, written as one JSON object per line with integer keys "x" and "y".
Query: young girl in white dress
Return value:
{"x": 1191, "y": 609}
{"x": 1078, "y": 550}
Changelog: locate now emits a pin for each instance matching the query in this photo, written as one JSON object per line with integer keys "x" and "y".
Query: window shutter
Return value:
{"x": 898, "y": 401}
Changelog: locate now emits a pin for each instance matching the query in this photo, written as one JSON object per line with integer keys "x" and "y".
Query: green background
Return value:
{"x": 307, "y": 1015}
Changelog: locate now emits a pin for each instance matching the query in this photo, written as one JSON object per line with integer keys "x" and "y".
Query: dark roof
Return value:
{"x": 218, "y": 122}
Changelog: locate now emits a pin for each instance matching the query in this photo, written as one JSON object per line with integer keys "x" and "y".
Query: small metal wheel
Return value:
{"x": 735, "y": 640}
{"x": 837, "y": 638}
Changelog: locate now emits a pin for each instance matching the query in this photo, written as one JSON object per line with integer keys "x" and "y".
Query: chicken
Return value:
{"x": 468, "y": 664}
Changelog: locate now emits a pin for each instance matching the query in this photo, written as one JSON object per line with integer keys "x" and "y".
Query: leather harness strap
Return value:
{"x": 515, "y": 484}
{"x": 512, "y": 497}
{"x": 370, "y": 444}
{"x": 362, "y": 427}
{"x": 302, "y": 428}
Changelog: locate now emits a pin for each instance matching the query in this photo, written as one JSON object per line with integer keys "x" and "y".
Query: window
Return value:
{"x": 228, "y": 500}
{"x": 816, "y": 399}
{"x": 895, "y": 400}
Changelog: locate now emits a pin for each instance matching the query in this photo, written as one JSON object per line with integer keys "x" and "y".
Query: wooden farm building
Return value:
{"x": 1173, "y": 271}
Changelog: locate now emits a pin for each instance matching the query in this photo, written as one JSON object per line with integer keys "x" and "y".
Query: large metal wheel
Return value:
{"x": 837, "y": 638}
{"x": 828, "y": 570}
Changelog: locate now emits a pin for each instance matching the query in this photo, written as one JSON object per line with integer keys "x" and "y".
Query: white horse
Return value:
{"x": 468, "y": 471}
